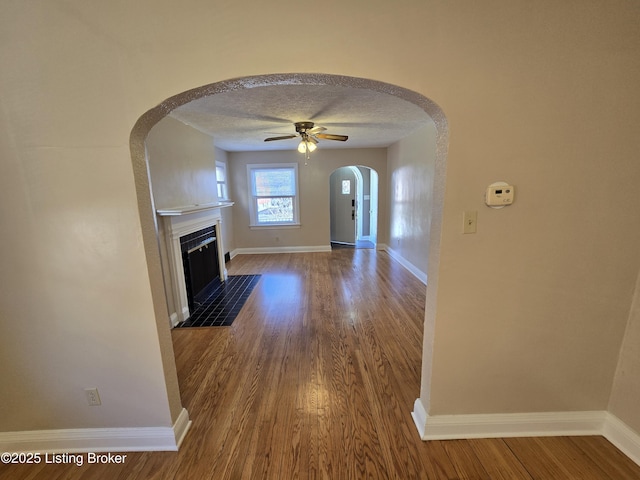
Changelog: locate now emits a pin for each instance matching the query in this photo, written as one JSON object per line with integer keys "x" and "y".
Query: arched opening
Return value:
{"x": 353, "y": 205}
{"x": 148, "y": 217}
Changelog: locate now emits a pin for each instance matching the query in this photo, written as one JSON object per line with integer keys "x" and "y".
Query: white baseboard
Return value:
{"x": 181, "y": 427}
{"x": 419, "y": 274}
{"x": 261, "y": 250}
{"x": 175, "y": 319}
{"x": 450, "y": 427}
{"x": 98, "y": 439}
{"x": 624, "y": 438}
{"x": 419, "y": 415}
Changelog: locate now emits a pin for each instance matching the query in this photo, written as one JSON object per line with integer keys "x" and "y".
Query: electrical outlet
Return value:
{"x": 93, "y": 398}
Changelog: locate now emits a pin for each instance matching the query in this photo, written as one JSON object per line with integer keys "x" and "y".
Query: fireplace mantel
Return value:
{"x": 181, "y": 221}
{"x": 186, "y": 210}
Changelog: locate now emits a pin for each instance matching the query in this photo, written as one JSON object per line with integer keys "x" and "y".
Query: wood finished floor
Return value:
{"x": 316, "y": 379}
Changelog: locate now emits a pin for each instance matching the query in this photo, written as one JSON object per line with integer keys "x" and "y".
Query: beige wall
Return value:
{"x": 411, "y": 177}
{"x": 625, "y": 396}
{"x": 531, "y": 311}
{"x": 313, "y": 179}
{"x": 75, "y": 302}
{"x": 182, "y": 165}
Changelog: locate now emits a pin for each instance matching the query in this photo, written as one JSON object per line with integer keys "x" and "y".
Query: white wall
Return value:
{"x": 411, "y": 177}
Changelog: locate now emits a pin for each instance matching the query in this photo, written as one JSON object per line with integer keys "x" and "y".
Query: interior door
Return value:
{"x": 343, "y": 206}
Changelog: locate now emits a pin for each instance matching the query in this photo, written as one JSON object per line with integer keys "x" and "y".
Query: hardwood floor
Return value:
{"x": 316, "y": 378}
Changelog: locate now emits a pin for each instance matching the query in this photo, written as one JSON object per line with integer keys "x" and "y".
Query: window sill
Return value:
{"x": 275, "y": 227}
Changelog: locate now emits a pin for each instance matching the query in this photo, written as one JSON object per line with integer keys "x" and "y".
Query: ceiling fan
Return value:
{"x": 309, "y": 134}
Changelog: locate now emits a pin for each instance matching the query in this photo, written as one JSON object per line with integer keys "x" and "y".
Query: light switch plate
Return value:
{"x": 470, "y": 221}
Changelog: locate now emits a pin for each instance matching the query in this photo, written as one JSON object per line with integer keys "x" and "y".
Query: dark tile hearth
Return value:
{"x": 219, "y": 303}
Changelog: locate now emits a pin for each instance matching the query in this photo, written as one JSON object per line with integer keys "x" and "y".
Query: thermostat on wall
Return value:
{"x": 499, "y": 194}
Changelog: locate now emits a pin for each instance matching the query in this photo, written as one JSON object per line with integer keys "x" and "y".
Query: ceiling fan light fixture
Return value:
{"x": 309, "y": 135}
{"x": 307, "y": 144}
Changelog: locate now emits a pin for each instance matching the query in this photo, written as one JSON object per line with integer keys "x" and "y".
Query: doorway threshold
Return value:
{"x": 358, "y": 244}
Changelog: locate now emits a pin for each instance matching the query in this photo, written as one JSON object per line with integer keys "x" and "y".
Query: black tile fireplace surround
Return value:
{"x": 200, "y": 260}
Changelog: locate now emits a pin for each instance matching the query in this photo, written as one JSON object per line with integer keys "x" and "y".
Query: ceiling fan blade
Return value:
{"x": 316, "y": 130}
{"x": 330, "y": 136}
{"x": 284, "y": 137}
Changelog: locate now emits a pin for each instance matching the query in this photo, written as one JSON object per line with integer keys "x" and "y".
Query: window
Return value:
{"x": 221, "y": 180}
{"x": 274, "y": 194}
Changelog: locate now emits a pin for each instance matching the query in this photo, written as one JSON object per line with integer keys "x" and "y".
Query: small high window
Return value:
{"x": 221, "y": 180}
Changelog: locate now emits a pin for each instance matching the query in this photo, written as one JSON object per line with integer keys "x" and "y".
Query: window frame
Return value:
{"x": 222, "y": 184}
{"x": 253, "y": 198}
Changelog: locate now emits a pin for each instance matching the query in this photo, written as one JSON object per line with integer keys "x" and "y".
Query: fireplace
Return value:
{"x": 200, "y": 261}
{"x": 195, "y": 254}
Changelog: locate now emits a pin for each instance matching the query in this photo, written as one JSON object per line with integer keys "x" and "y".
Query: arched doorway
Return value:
{"x": 353, "y": 204}
{"x": 148, "y": 217}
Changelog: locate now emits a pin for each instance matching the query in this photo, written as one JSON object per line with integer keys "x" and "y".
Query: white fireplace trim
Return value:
{"x": 178, "y": 225}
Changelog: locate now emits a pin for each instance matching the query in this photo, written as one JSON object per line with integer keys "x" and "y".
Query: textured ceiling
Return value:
{"x": 241, "y": 120}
